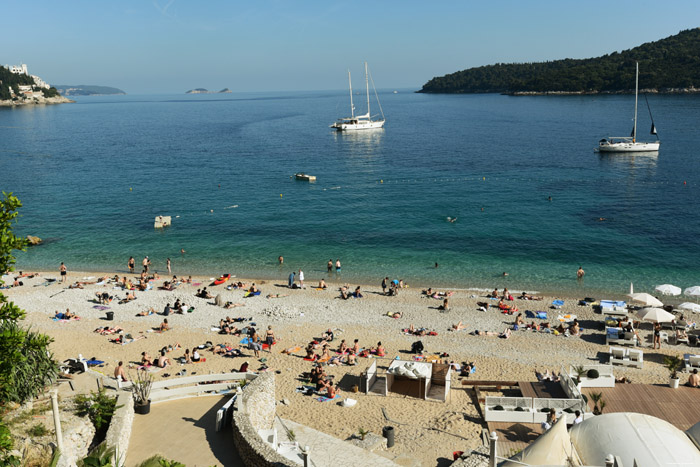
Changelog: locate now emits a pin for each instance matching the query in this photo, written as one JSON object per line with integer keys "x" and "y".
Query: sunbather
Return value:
{"x": 162, "y": 361}
{"x": 146, "y": 359}
{"x": 233, "y": 305}
{"x": 343, "y": 347}
{"x": 445, "y": 305}
{"x": 458, "y": 327}
{"x": 164, "y": 326}
{"x": 148, "y": 312}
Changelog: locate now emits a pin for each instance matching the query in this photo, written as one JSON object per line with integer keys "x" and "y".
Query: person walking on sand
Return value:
{"x": 330, "y": 266}
{"x": 130, "y": 264}
{"x": 64, "y": 272}
{"x": 337, "y": 266}
{"x": 290, "y": 281}
{"x": 168, "y": 266}
{"x": 301, "y": 279}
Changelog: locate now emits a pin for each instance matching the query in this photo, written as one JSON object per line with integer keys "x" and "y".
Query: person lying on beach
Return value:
{"x": 322, "y": 284}
{"x": 417, "y": 331}
{"x": 129, "y": 297}
{"x": 458, "y": 327}
{"x": 525, "y": 296}
{"x": 146, "y": 359}
{"x": 560, "y": 329}
{"x": 167, "y": 285}
{"x": 504, "y": 335}
{"x": 119, "y": 371}
{"x": 328, "y": 335}
{"x": 76, "y": 285}
{"x": 230, "y": 329}
{"x": 204, "y": 293}
{"x": 104, "y": 330}
{"x": 66, "y": 315}
{"x": 148, "y": 312}
{"x": 532, "y": 326}
{"x": 229, "y": 305}
{"x": 236, "y": 285}
{"x": 252, "y": 289}
{"x": 429, "y": 292}
{"x": 344, "y": 293}
{"x": 394, "y": 314}
{"x": 277, "y": 295}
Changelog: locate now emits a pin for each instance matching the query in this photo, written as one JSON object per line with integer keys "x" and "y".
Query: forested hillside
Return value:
{"x": 667, "y": 65}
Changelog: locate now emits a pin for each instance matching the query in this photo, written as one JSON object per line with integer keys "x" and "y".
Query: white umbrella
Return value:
{"x": 692, "y": 291}
{"x": 668, "y": 289}
{"x": 694, "y": 307}
{"x": 646, "y": 299}
{"x": 656, "y": 315}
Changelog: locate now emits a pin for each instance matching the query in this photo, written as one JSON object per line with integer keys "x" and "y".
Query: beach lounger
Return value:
{"x": 692, "y": 361}
{"x": 636, "y": 358}
{"x": 618, "y": 355}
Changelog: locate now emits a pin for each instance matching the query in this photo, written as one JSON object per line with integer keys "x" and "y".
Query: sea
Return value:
{"x": 530, "y": 196}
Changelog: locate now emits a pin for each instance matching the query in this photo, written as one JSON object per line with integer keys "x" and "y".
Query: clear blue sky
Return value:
{"x": 163, "y": 46}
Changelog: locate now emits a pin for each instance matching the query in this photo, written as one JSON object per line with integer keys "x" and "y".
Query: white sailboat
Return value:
{"x": 360, "y": 122}
{"x": 630, "y": 143}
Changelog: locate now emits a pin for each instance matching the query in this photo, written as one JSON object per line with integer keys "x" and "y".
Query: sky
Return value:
{"x": 171, "y": 46}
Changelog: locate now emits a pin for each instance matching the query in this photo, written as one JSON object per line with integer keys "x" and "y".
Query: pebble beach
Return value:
{"x": 427, "y": 431}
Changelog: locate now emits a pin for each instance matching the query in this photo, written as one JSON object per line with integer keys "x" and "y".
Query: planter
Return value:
{"x": 673, "y": 383}
{"x": 143, "y": 409}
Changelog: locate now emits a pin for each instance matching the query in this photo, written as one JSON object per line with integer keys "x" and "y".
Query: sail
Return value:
{"x": 632, "y": 133}
{"x": 653, "y": 129}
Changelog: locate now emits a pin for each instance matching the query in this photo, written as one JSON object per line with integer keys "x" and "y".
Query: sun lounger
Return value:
{"x": 691, "y": 361}
{"x": 618, "y": 355}
{"x": 636, "y": 358}
{"x": 613, "y": 307}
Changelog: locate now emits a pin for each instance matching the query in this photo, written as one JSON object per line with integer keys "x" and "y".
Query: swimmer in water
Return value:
{"x": 452, "y": 219}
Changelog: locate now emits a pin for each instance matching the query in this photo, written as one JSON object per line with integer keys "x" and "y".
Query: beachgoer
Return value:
{"x": 322, "y": 284}
{"x": 254, "y": 344}
{"x": 146, "y": 262}
{"x": 657, "y": 335}
{"x": 301, "y": 279}
{"x": 580, "y": 273}
{"x": 337, "y": 265}
{"x": 64, "y": 272}
{"x": 182, "y": 251}
{"x": 357, "y": 293}
{"x": 694, "y": 379}
{"x": 343, "y": 347}
{"x": 579, "y": 417}
{"x": 130, "y": 264}
{"x": 445, "y": 305}
{"x": 195, "y": 355}
{"x": 164, "y": 326}
{"x": 269, "y": 338}
{"x": 244, "y": 368}
{"x": 290, "y": 281}
{"x": 163, "y": 361}
{"x": 458, "y": 327}
{"x": 281, "y": 259}
{"x": 329, "y": 266}
{"x": 328, "y": 335}
{"x": 356, "y": 346}
{"x": 146, "y": 359}
{"x": 187, "y": 356}
{"x": 384, "y": 284}
{"x": 167, "y": 264}
{"x": 119, "y": 371}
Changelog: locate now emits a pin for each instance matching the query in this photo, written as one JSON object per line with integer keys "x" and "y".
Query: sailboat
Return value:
{"x": 630, "y": 143}
{"x": 360, "y": 122}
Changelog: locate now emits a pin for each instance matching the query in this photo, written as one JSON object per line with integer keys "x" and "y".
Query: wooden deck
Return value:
{"x": 514, "y": 437}
{"x": 542, "y": 389}
{"x": 680, "y": 407}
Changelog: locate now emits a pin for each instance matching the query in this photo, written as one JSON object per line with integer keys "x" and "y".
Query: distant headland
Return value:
{"x": 206, "y": 91}
{"x": 87, "y": 90}
{"x": 18, "y": 87}
{"x": 669, "y": 65}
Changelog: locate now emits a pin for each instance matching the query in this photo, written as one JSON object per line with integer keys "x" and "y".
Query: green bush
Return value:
{"x": 37, "y": 430}
{"x": 592, "y": 373}
{"x": 99, "y": 407}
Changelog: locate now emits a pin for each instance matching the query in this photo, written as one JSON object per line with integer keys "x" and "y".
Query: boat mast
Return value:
{"x": 369, "y": 114}
{"x": 352, "y": 106}
{"x": 636, "y": 95}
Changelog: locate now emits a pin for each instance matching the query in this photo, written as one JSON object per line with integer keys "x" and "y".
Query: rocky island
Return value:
{"x": 206, "y": 91}
{"x": 87, "y": 90}
{"x": 18, "y": 87}
{"x": 670, "y": 65}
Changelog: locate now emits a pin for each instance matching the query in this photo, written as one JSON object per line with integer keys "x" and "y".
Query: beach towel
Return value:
{"x": 326, "y": 399}
{"x": 94, "y": 362}
{"x": 324, "y": 359}
{"x": 101, "y": 307}
{"x": 250, "y": 294}
{"x": 245, "y": 340}
{"x": 558, "y": 303}
{"x": 291, "y": 350}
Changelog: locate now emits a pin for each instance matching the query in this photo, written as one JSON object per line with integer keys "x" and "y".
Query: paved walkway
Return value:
{"x": 327, "y": 451}
{"x": 183, "y": 430}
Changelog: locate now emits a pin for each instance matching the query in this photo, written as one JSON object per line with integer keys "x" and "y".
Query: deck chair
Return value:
{"x": 636, "y": 358}
{"x": 694, "y": 361}
{"x": 617, "y": 355}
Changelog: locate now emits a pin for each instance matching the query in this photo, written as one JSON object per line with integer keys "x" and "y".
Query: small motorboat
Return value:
{"x": 222, "y": 279}
{"x": 305, "y": 177}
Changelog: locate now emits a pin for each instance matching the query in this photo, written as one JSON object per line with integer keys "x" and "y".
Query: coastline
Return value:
{"x": 37, "y": 101}
{"x": 300, "y": 315}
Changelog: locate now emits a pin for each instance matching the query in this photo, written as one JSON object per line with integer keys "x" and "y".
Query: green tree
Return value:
{"x": 26, "y": 365}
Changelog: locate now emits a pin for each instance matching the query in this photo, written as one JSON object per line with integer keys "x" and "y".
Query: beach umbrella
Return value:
{"x": 656, "y": 315}
{"x": 646, "y": 299}
{"x": 690, "y": 306}
{"x": 692, "y": 291}
{"x": 668, "y": 289}
{"x": 631, "y": 288}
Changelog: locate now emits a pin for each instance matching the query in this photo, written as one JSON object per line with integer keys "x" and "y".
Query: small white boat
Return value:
{"x": 305, "y": 177}
{"x": 630, "y": 143}
{"x": 360, "y": 122}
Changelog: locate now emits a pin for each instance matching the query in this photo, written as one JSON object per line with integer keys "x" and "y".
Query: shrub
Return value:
{"x": 37, "y": 430}
{"x": 592, "y": 373}
{"x": 99, "y": 407}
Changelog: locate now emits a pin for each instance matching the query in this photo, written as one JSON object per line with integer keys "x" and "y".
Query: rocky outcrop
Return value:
{"x": 32, "y": 240}
{"x": 36, "y": 100}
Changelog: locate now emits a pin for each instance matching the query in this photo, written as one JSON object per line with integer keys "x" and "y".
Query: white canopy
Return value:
{"x": 694, "y": 307}
{"x": 656, "y": 315}
{"x": 692, "y": 291}
{"x": 647, "y": 440}
{"x": 553, "y": 447}
{"x": 646, "y": 299}
{"x": 668, "y": 289}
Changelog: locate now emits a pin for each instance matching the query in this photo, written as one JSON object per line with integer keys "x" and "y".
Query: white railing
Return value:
{"x": 528, "y": 409}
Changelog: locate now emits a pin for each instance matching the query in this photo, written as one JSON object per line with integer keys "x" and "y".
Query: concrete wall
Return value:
{"x": 120, "y": 427}
{"x": 255, "y": 410}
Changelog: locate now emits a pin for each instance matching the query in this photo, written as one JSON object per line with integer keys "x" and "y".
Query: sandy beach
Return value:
{"x": 302, "y": 315}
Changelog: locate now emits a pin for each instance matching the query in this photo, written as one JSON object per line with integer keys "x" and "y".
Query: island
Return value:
{"x": 18, "y": 87}
{"x": 87, "y": 90}
{"x": 206, "y": 91}
{"x": 670, "y": 65}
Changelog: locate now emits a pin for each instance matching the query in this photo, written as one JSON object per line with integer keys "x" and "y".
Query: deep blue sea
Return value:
{"x": 93, "y": 175}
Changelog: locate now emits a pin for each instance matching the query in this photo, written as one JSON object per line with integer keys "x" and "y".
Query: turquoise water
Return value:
{"x": 93, "y": 175}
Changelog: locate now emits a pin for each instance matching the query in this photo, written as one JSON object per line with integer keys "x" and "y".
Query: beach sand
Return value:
{"x": 304, "y": 315}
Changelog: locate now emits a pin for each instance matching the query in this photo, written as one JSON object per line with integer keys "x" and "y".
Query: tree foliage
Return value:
{"x": 665, "y": 65}
{"x": 7, "y": 79}
{"x": 26, "y": 365}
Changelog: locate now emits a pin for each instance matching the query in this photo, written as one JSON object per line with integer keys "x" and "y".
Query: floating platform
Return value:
{"x": 162, "y": 221}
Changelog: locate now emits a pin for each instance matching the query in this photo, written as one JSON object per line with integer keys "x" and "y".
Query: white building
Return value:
{"x": 22, "y": 70}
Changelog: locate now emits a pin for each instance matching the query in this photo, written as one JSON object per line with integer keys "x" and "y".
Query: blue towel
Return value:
{"x": 558, "y": 302}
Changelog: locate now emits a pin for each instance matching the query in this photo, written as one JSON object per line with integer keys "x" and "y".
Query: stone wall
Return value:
{"x": 255, "y": 410}
{"x": 76, "y": 440}
{"x": 120, "y": 427}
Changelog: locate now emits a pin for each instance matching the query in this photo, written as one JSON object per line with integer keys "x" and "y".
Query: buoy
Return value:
{"x": 131, "y": 189}
{"x": 280, "y": 195}
{"x": 685, "y": 182}
{"x": 484, "y": 178}
{"x": 211, "y": 210}
{"x": 381, "y": 181}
